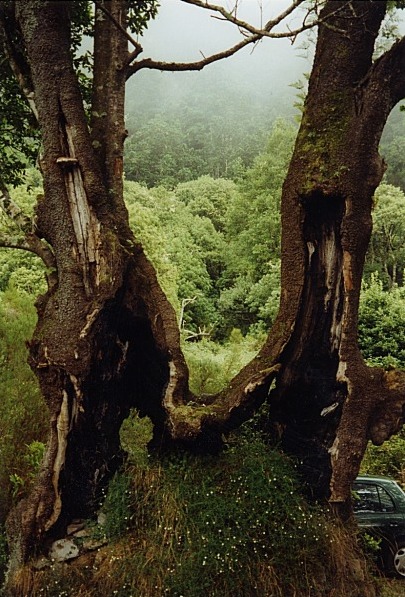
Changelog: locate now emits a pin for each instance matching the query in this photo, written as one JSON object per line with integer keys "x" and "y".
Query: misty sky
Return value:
{"x": 182, "y": 32}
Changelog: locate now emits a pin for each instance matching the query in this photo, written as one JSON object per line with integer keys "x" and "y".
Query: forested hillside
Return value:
{"x": 219, "y": 263}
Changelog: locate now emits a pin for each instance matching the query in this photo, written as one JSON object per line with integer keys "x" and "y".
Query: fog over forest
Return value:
{"x": 178, "y": 122}
{"x": 238, "y": 98}
{"x": 183, "y": 32}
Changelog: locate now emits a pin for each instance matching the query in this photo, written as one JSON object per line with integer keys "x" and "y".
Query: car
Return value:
{"x": 379, "y": 508}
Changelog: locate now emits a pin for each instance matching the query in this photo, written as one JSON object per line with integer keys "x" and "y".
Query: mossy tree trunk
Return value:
{"x": 327, "y": 403}
{"x": 107, "y": 339}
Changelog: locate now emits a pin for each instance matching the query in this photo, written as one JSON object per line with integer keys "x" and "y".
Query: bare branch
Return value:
{"x": 9, "y": 241}
{"x": 184, "y": 66}
{"x": 267, "y": 29}
{"x": 232, "y": 16}
{"x": 251, "y": 35}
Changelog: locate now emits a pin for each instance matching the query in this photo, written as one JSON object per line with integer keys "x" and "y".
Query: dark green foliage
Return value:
{"x": 117, "y": 506}
{"x": 183, "y": 243}
{"x": 388, "y": 459}
{"x": 381, "y": 324}
{"x": 392, "y": 148}
{"x": 19, "y": 136}
{"x": 19, "y": 141}
{"x": 253, "y": 230}
{"x": 224, "y": 526}
{"x": 178, "y": 135}
{"x": 222, "y": 239}
{"x": 386, "y": 253}
{"x": 140, "y": 13}
{"x": 212, "y": 365}
{"x": 21, "y": 270}
{"x": 18, "y": 268}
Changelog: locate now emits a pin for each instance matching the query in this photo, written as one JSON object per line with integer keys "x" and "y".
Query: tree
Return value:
{"x": 327, "y": 400}
{"x": 107, "y": 338}
{"x": 251, "y": 278}
{"x": 387, "y": 246}
{"x": 382, "y": 320}
{"x": 392, "y": 148}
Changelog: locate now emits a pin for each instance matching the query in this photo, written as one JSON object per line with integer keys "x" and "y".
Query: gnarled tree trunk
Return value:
{"x": 107, "y": 339}
{"x": 327, "y": 403}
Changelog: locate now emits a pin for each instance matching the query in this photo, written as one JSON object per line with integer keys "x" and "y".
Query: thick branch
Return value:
{"x": 374, "y": 410}
{"x": 387, "y": 76}
{"x": 388, "y": 415}
{"x": 17, "y": 62}
{"x": 191, "y": 422}
{"x": 185, "y": 66}
{"x": 11, "y": 241}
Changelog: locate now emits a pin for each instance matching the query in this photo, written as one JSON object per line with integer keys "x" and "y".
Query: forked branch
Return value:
{"x": 268, "y": 29}
{"x": 190, "y": 66}
{"x": 251, "y": 35}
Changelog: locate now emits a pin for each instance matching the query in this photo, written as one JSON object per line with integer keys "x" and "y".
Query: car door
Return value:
{"x": 376, "y": 511}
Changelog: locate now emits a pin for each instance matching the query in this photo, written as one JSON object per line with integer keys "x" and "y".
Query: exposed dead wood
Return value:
{"x": 85, "y": 223}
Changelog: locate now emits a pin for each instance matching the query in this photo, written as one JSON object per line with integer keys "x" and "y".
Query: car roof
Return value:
{"x": 375, "y": 478}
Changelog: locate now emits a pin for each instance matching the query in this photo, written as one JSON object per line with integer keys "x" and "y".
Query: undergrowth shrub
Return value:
{"x": 117, "y": 506}
{"x": 231, "y": 525}
{"x": 213, "y": 365}
{"x": 387, "y": 459}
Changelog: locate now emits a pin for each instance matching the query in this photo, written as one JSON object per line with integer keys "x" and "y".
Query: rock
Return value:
{"x": 101, "y": 519}
{"x": 82, "y": 533}
{"x": 75, "y": 525}
{"x": 63, "y": 550}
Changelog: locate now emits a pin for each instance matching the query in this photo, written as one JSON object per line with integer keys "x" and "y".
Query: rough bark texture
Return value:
{"x": 107, "y": 339}
{"x": 327, "y": 404}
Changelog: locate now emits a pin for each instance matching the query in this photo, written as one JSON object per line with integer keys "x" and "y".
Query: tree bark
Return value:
{"x": 107, "y": 339}
{"x": 327, "y": 403}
